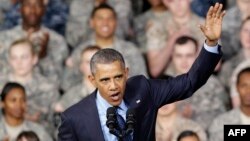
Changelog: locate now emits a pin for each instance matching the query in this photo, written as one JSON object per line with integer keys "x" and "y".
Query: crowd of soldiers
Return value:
{"x": 46, "y": 47}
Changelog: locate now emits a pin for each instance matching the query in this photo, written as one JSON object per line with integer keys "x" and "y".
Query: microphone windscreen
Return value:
{"x": 111, "y": 111}
{"x": 130, "y": 112}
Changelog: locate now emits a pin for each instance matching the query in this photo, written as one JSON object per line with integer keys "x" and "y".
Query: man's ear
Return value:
{"x": 92, "y": 80}
{"x": 126, "y": 72}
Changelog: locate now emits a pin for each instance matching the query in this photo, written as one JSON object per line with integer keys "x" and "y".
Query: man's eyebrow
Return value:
{"x": 104, "y": 79}
{"x": 119, "y": 75}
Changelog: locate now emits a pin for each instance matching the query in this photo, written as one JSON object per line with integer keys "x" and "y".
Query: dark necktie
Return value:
{"x": 122, "y": 126}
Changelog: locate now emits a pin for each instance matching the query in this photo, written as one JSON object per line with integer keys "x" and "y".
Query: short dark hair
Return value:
{"x": 184, "y": 39}
{"x": 103, "y": 6}
{"x": 90, "y": 48}
{"x": 105, "y": 56}
{"x": 245, "y": 70}
{"x": 187, "y": 133}
{"x": 29, "y": 135}
{"x": 10, "y": 86}
{"x": 43, "y": 4}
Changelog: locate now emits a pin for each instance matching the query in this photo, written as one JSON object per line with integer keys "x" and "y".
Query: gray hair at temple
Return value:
{"x": 105, "y": 56}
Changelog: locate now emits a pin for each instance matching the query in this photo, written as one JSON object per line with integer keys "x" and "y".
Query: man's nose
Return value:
{"x": 113, "y": 85}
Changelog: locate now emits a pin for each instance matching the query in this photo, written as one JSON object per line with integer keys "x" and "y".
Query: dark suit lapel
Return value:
{"x": 93, "y": 120}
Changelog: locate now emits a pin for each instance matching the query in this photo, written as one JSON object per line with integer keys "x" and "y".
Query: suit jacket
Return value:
{"x": 81, "y": 121}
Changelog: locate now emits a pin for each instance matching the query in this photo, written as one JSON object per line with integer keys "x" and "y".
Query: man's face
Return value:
{"x": 183, "y": 57}
{"x": 245, "y": 35}
{"x": 104, "y": 23}
{"x": 32, "y": 12}
{"x": 85, "y": 62}
{"x": 22, "y": 60}
{"x": 243, "y": 88}
{"x": 178, "y": 8}
{"x": 14, "y": 104}
{"x": 110, "y": 80}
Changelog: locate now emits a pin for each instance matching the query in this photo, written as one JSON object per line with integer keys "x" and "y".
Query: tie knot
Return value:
{"x": 117, "y": 108}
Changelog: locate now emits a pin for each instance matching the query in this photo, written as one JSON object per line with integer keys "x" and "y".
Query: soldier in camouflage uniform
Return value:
{"x": 80, "y": 11}
{"x": 54, "y": 18}
{"x": 105, "y": 38}
{"x": 141, "y": 22}
{"x": 41, "y": 93}
{"x": 231, "y": 27}
{"x": 211, "y": 99}
{"x": 82, "y": 89}
{"x": 51, "y": 46}
{"x": 179, "y": 20}
{"x": 169, "y": 124}
{"x": 13, "y": 99}
{"x": 233, "y": 83}
{"x": 243, "y": 54}
{"x": 238, "y": 115}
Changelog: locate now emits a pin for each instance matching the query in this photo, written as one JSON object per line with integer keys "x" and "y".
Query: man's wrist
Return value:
{"x": 211, "y": 43}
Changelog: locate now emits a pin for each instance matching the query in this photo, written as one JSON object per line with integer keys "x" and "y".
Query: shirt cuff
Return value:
{"x": 212, "y": 49}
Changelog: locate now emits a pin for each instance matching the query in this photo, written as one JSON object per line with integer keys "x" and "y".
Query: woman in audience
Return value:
{"x": 13, "y": 102}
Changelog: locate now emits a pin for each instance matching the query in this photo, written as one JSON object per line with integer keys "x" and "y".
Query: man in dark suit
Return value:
{"x": 86, "y": 120}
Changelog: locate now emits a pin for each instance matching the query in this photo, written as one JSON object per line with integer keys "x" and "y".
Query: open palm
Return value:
{"x": 213, "y": 23}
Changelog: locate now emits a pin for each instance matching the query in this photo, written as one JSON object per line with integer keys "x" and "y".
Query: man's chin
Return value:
{"x": 116, "y": 103}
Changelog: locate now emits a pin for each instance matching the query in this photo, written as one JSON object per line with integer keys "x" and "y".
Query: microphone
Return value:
{"x": 112, "y": 122}
{"x": 111, "y": 118}
{"x": 130, "y": 122}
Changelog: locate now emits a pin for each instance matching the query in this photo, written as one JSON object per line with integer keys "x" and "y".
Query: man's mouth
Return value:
{"x": 105, "y": 29}
{"x": 115, "y": 96}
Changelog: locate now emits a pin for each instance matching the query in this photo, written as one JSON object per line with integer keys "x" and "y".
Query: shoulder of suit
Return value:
{"x": 136, "y": 78}
{"x": 82, "y": 105}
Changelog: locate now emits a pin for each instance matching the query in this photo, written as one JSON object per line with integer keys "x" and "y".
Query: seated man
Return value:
{"x": 55, "y": 15}
{"x": 240, "y": 115}
{"x": 103, "y": 21}
{"x": 83, "y": 88}
{"x": 211, "y": 99}
{"x": 80, "y": 11}
{"x": 13, "y": 122}
{"x": 234, "y": 94}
